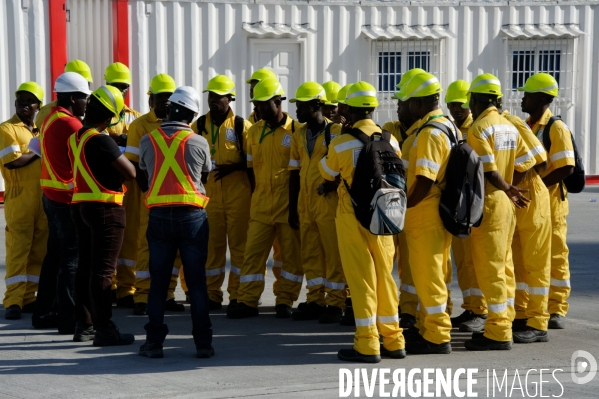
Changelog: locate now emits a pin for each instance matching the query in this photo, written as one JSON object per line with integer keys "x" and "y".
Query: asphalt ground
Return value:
{"x": 267, "y": 357}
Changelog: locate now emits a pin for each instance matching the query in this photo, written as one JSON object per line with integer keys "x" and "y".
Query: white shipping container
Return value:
{"x": 343, "y": 41}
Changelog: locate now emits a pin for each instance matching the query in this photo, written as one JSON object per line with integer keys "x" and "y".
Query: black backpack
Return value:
{"x": 462, "y": 200}
{"x": 239, "y": 125}
{"x": 576, "y": 181}
{"x": 378, "y": 190}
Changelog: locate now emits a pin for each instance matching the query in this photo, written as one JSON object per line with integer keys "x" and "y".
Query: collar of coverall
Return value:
{"x": 543, "y": 121}
{"x": 487, "y": 112}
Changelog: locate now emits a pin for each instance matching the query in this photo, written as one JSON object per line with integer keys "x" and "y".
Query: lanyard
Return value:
{"x": 432, "y": 117}
{"x": 263, "y": 135}
{"x": 214, "y": 136}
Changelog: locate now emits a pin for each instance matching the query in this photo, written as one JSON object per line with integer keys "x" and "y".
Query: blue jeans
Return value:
{"x": 182, "y": 228}
{"x": 57, "y": 277}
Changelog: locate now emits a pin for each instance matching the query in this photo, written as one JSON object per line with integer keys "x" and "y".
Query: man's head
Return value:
{"x": 331, "y": 88}
{"x": 221, "y": 91}
{"x": 81, "y": 68}
{"x": 184, "y": 105}
{"x": 342, "y": 108}
{"x": 29, "y": 97}
{"x": 119, "y": 76}
{"x": 257, "y": 76}
{"x": 539, "y": 91}
{"x": 484, "y": 91}
{"x": 72, "y": 92}
{"x": 105, "y": 104}
{"x": 455, "y": 97}
{"x": 162, "y": 87}
{"x": 309, "y": 98}
{"x": 421, "y": 94}
{"x": 362, "y": 101}
{"x": 268, "y": 97}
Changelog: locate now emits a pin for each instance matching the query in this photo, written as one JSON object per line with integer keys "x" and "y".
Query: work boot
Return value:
{"x": 29, "y": 308}
{"x": 412, "y": 335}
{"x": 348, "y": 318}
{"x": 13, "y": 312}
{"x": 46, "y": 321}
{"x": 213, "y": 305}
{"x": 153, "y": 351}
{"x": 232, "y": 304}
{"x": 486, "y": 344}
{"x": 396, "y": 354}
{"x": 424, "y": 347}
{"x": 84, "y": 334}
{"x": 351, "y": 355}
{"x": 529, "y": 335}
{"x": 241, "y": 311}
{"x": 282, "y": 311}
{"x": 302, "y": 305}
{"x": 331, "y": 315}
{"x": 519, "y": 324}
{"x": 407, "y": 320}
{"x": 311, "y": 311}
{"x": 464, "y": 317}
{"x": 111, "y": 336}
{"x": 140, "y": 309}
{"x": 477, "y": 323}
{"x": 557, "y": 322}
{"x": 204, "y": 352}
{"x": 173, "y": 306}
{"x": 126, "y": 302}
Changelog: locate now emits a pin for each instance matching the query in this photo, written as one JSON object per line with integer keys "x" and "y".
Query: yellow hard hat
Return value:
{"x": 486, "y": 84}
{"x": 117, "y": 73}
{"x": 421, "y": 85}
{"x": 267, "y": 89}
{"x": 81, "y": 68}
{"x": 162, "y": 83}
{"x": 457, "y": 92}
{"x": 261, "y": 74}
{"x": 541, "y": 83}
{"x": 361, "y": 95}
{"x": 332, "y": 90}
{"x": 342, "y": 94}
{"x": 111, "y": 98}
{"x": 33, "y": 88}
{"x": 221, "y": 85}
{"x": 409, "y": 74}
{"x": 309, "y": 91}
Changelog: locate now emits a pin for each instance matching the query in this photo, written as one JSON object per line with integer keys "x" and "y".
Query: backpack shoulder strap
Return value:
{"x": 360, "y": 135}
{"x": 403, "y": 132}
{"x": 386, "y": 136}
{"x": 292, "y": 126}
{"x": 239, "y": 125}
{"x": 547, "y": 131}
{"x": 202, "y": 125}
{"x": 327, "y": 133}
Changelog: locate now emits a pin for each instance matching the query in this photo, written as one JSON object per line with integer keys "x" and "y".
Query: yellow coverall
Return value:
{"x": 319, "y": 247}
{"x": 501, "y": 149}
{"x": 367, "y": 259}
{"x": 426, "y": 236}
{"x": 268, "y": 153}
{"x": 43, "y": 113}
{"x": 460, "y": 247}
{"x": 26, "y": 223}
{"x": 139, "y": 128}
{"x": 124, "y": 279}
{"x": 560, "y": 154}
{"x": 531, "y": 246}
{"x": 229, "y": 208}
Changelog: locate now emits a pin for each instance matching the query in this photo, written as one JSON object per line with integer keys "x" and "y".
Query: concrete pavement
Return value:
{"x": 267, "y": 357}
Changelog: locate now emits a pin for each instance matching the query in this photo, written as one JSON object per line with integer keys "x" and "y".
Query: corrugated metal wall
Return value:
{"x": 195, "y": 40}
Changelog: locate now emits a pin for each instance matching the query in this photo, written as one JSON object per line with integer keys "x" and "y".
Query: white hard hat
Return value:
{"x": 187, "y": 97}
{"x": 71, "y": 82}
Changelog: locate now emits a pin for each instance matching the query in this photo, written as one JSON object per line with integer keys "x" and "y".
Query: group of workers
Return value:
{"x": 114, "y": 203}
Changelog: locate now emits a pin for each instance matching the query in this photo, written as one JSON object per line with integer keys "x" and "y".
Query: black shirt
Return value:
{"x": 100, "y": 151}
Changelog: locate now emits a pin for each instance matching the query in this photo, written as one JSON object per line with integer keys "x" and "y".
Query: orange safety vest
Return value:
{"x": 48, "y": 178}
{"x": 87, "y": 188}
{"x": 171, "y": 182}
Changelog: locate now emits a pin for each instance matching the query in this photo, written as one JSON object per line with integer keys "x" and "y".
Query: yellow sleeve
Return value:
{"x": 329, "y": 166}
{"x": 562, "y": 151}
{"x": 482, "y": 147}
{"x": 395, "y": 145}
{"x": 532, "y": 142}
{"x": 524, "y": 158}
{"x": 10, "y": 148}
{"x": 133, "y": 138}
{"x": 294, "y": 156}
{"x": 429, "y": 153}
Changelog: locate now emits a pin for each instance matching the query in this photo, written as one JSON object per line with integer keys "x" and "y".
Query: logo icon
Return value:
{"x": 583, "y": 362}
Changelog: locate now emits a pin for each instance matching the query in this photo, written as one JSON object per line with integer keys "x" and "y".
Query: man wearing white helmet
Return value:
{"x": 177, "y": 163}
{"x": 57, "y": 278}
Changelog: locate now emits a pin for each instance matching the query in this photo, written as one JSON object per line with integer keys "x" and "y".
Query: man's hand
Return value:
{"x": 293, "y": 219}
{"x": 328, "y": 186}
{"x": 515, "y": 195}
{"x": 225, "y": 170}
